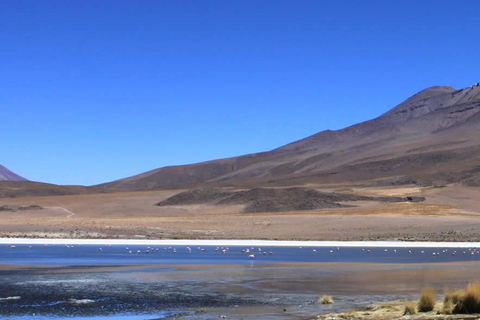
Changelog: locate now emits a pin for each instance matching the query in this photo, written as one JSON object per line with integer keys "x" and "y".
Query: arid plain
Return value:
{"x": 450, "y": 213}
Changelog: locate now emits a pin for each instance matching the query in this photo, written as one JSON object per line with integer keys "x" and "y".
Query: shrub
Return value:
{"x": 427, "y": 300}
{"x": 410, "y": 308}
{"x": 325, "y": 299}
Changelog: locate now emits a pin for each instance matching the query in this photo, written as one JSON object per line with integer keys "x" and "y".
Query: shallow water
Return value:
{"x": 204, "y": 282}
{"x": 121, "y": 255}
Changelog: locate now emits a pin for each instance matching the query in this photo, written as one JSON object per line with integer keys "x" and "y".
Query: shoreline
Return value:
{"x": 240, "y": 243}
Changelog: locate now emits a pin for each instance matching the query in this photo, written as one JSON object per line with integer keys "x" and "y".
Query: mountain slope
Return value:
{"x": 431, "y": 138}
{"x": 7, "y": 175}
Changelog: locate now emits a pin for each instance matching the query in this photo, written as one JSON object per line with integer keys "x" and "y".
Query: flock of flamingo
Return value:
{"x": 250, "y": 252}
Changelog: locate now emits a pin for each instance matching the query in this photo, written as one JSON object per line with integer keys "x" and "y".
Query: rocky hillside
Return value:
{"x": 274, "y": 200}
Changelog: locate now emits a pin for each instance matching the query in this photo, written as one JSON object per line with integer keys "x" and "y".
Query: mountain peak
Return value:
{"x": 431, "y": 92}
{"x": 7, "y": 175}
{"x": 432, "y": 99}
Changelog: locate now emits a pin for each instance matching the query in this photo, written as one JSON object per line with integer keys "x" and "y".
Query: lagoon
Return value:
{"x": 196, "y": 281}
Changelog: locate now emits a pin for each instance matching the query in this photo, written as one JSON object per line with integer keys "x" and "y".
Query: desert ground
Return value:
{"x": 450, "y": 213}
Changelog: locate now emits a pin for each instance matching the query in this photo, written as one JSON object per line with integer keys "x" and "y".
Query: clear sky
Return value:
{"x": 92, "y": 90}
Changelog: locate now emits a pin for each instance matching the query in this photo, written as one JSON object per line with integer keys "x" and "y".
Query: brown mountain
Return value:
{"x": 432, "y": 138}
{"x": 7, "y": 175}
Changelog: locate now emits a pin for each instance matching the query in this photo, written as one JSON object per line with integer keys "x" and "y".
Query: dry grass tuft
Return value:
{"x": 447, "y": 307}
{"x": 325, "y": 299}
{"x": 469, "y": 301}
{"x": 453, "y": 296}
{"x": 410, "y": 308}
{"x": 451, "y": 300}
{"x": 427, "y": 300}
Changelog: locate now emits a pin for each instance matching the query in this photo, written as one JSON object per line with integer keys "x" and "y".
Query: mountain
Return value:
{"x": 7, "y": 175}
{"x": 432, "y": 138}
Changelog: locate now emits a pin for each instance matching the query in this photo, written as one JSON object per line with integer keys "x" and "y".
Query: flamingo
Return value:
{"x": 252, "y": 256}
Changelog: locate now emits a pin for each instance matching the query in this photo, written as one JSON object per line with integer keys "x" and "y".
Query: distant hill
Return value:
{"x": 12, "y": 189}
{"x": 7, "y": 175}
{"x": 432, "y": 138}
{"x": 13, "y": 185}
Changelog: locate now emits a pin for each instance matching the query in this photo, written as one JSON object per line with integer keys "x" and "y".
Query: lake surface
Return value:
{"x": 205, "y": 282}
{"x": 121, "y": 255}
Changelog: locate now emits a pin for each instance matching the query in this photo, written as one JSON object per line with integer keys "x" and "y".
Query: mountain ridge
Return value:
{"x": 432, "y": 138}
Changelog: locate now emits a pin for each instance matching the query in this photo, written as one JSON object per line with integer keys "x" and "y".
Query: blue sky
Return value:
{"x": 93, "y": 90}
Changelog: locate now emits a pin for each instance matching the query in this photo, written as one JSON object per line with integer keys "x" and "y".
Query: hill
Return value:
{"x": 274, "y": 199}
{"x": 13, "y": 189}
{"x": 432, "y": 138}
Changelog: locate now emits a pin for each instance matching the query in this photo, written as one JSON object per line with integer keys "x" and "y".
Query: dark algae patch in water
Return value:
{"x": 92, "y": 294}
